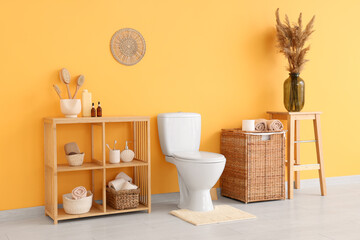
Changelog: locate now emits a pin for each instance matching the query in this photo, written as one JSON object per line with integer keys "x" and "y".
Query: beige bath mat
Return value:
{"x": 221, "y": 213}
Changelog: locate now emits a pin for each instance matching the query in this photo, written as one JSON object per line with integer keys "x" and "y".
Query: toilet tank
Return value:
{"x": 179, "y": 132}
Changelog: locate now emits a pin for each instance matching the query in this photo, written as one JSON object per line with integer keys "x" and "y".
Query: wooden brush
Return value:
{"x": 57, "y": 90}
{"x": 65, "y": 78}
{"x": 80, "y": 82}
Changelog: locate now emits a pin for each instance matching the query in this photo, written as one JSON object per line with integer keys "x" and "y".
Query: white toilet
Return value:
{"x": 198, "y": 172}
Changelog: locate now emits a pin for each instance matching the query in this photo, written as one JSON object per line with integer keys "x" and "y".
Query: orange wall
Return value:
{"x": 216, "y": 58}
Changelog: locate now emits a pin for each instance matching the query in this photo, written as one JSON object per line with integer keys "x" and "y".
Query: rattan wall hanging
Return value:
{"x": 127, "y": 46}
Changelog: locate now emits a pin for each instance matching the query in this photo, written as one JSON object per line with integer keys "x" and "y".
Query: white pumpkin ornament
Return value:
{"x": 127, "y": 155}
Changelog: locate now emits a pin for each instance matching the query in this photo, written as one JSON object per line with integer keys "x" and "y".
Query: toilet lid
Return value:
{"x": 200, "y": 156}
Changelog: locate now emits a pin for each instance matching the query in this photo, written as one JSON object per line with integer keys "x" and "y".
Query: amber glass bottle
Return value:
{"x": 294, "y": 93}
{"x": 93, "y": 111}
{"x": 99, "y": 110}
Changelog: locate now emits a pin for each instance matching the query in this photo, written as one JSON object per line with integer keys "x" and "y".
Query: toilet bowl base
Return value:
{"x": 198, "y": 201}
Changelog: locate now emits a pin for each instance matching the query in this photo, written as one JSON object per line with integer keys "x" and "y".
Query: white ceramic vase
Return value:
{"x": 70, "y": 107}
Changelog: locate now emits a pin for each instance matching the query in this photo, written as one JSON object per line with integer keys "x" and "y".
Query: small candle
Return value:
{"x": 248, "y": 125}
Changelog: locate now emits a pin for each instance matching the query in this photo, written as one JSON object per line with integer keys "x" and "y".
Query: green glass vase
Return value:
{"x": 294, "y": 93}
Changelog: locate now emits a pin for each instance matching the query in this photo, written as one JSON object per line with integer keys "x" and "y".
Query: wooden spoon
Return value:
{"x": 80, "y": 82}
{"x": 65, "y": 77}
{"x": 57, "y": 90}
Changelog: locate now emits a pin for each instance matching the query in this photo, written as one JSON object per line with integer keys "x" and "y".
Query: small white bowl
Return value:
{"x": 70, "y": 107}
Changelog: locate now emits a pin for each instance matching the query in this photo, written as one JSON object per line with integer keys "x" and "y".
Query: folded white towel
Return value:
{"x": 128, "y": 186}
{"x": 124, "y": 176}
{"x": 117, "y": 184}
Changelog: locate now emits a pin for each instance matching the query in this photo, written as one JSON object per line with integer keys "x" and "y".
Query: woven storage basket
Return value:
{"x": 255, "y": 165}
{"x": 75, "y": 159}
{"x": 77, "y": 206}
{"x": 122, "y": 199}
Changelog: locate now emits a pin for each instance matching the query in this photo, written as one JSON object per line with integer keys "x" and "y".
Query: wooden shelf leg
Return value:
{"x": 290, "y": 156}
{"x": 148, "y": 167}
{"x": 55, "y": 176}
{"x": 104, "y": 170}
{"x": 297, "y": 153}
{"x": 319, "y": 152}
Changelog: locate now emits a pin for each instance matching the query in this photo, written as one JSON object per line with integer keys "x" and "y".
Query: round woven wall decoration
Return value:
{"x": 128, "y": 46}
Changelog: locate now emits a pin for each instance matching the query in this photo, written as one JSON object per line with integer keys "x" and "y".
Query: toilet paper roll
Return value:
{"x": 248, "y": 125}
{"x": 117, "y": 184}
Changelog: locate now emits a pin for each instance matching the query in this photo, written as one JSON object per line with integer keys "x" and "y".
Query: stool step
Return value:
{"x": 304, "y": 141}
{"x": 301, "y": 167}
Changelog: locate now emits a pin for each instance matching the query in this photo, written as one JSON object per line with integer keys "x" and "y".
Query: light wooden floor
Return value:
{"x": 308, "y": 216}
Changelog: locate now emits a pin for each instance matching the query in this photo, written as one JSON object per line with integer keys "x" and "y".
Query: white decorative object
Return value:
{"x": 114, "y": 156}
{"x": 248, "y": 125}
{"x": 86, "y": 103}
{"x": 78, "y": 206}
{"x": 70, "y": 107}
{"x": 179, "y": 135}
{"x": 127, "y": 155}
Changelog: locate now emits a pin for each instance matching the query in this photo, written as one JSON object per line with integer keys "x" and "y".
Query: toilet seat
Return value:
{"x": 199, "y": 157}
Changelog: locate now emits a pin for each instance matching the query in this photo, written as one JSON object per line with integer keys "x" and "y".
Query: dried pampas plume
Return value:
{"x": 291, "y": 41}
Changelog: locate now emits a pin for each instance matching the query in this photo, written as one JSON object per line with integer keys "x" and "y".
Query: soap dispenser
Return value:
{"x": 127, "y": 155}
{"x": 86, "y": 103}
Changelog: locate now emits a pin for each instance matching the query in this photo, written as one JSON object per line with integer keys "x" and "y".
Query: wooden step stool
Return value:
{"x": 293, "y": 148}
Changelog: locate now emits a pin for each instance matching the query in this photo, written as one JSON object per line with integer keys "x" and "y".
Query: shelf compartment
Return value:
{"x": 94, "y": 211}
{"x": 85, "y": 166}
{"x": 133, "y": 163}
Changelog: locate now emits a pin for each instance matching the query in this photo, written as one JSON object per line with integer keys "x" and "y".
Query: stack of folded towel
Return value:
{"x": 263, "y": 125}
{"x": 79, "y": 192}
{"x": 122, "y": 182}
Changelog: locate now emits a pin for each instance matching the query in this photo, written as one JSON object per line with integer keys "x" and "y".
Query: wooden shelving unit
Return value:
{"x": 141, "y": 164}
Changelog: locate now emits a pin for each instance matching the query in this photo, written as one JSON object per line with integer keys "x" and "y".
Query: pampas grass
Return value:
{"x": 291, "y": 41}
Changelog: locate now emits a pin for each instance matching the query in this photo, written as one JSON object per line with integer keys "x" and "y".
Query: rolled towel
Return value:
{"x": 128, "y": 186}
{"x": 117, "y": 184}
{"x": 79, "y": 192}
{"x": 260, "y": 125}
{"x": 274, "y": 125}
{"x": 124, "y": 176}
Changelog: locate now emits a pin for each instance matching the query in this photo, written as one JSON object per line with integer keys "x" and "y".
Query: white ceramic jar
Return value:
{"x": 70, "y": 107}
{"x": 114, "y": 156}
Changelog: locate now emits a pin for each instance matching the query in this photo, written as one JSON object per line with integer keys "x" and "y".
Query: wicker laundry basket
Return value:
{"x": 122, "y": 199}
{"x": 255, "y": 165}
